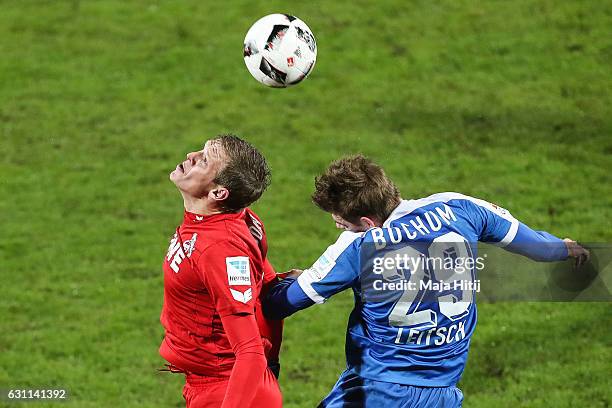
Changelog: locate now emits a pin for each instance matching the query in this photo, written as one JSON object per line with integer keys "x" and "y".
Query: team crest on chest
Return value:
{"x": 176, "y": 254}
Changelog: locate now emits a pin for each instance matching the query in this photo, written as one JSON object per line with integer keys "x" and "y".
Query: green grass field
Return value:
{"x": 509, "y": 101}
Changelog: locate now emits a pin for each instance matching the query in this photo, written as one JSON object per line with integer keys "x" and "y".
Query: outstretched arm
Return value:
{"x": 542, "y": 246}
{"x": 498, "y": 226}
{"x": 537, "y": 245}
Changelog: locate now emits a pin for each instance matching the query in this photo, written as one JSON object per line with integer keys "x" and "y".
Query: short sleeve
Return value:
{"x": 228, "y": 274}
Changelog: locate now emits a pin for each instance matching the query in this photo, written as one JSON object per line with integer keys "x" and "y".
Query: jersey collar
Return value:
{"x": 193, "y": 218}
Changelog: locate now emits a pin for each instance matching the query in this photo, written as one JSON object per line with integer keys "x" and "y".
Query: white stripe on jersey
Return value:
{"x": 510, "y": 235}
{"x": 326, "y": 262}
{"x": 408, "y": 206}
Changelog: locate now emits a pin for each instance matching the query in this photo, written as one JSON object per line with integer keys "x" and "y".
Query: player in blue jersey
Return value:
{"x": 406, "y": 346}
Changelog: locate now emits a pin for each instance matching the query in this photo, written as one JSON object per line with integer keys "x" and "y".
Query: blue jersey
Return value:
{"x": 412, "y": 336}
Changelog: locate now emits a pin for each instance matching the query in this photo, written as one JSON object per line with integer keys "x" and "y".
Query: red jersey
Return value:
{"x": 214, "y": 267}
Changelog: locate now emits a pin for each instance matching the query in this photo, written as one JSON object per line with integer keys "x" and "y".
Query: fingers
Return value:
{"x": 580, "y": 254}
{"x": 294, "y": 273}
{"x": 587, "y": 254}
{"x": 578, "y": 260}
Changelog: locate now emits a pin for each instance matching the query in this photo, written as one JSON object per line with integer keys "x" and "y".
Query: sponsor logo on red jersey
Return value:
{"x": 238, "y": 271}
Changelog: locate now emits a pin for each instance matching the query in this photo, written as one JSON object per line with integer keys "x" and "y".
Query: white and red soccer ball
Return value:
{"x": 280, "y": 50}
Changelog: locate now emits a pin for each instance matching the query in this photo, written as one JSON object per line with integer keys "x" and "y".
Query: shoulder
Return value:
{"x": 347, "y": 239}
{"x": 473, "y": 204}
{"x": 450, "y": 198}
{"x": 254, "y": 224}
{"x": 461, "y": 203}
{"x": 251, "y": 215}
{"x": 407, "y": 207}
{"x": 214, "y": 252}
{"x": 346, "y": 242}
{"x": 230, "y": 229}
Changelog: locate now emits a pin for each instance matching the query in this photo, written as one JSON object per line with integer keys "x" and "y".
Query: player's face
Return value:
{"x": 195, "y": 175}
{"x": 343, "y": 224}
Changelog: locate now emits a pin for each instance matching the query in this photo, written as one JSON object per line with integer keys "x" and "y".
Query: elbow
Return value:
{"x": 252, "y": 354}
{"x": 257, "y": 360}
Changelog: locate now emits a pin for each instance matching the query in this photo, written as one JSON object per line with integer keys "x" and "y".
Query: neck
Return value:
{"x": 201, "y": 206}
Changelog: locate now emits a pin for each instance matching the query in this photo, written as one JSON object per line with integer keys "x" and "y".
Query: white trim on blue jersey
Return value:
{"x": 319, "y": 270}
{"x": 381, "y": 344}
{"x": 408, "y": 206}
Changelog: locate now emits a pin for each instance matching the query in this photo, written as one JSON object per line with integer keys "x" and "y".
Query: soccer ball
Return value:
{"x": 280, "y": 50}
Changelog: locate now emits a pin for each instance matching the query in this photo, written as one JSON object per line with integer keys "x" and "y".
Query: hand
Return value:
{"x": 293, "y": 273}
{"x": 267, "y": 345}
{"x": 575, "y": 250}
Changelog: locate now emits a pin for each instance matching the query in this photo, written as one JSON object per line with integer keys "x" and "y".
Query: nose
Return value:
{"x": 193, "y": 157}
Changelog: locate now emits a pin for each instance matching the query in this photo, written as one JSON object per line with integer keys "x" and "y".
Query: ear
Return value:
{"x": 218, "y": 193}
{"x": 368, "y": 222}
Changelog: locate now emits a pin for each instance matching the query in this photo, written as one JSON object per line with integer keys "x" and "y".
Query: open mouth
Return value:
{"x": 182, "y": 166}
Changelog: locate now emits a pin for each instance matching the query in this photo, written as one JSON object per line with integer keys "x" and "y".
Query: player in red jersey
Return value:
{"x": 214, "y": 272}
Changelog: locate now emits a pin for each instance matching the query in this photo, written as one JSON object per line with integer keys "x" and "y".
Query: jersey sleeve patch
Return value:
{"x": 318, "y": 275}
{"x": 322, "y": 266}
{"x": 238, "y": 270}
{"x": 242, "y": 297}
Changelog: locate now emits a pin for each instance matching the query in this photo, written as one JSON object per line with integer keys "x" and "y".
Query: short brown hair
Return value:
{"x": 246, "y": 174}
{"x": 354, "y": 187}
